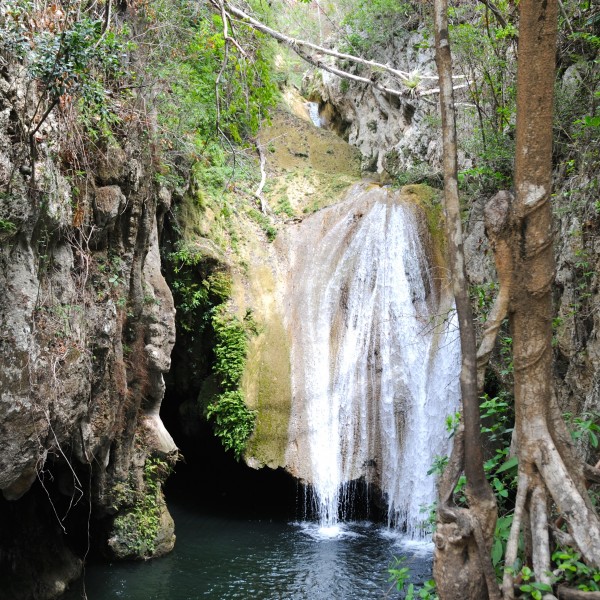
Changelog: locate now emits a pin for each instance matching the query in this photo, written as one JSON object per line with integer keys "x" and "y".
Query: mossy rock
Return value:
{"x": 267, "y": 388}
{"x": 308, "y": 166}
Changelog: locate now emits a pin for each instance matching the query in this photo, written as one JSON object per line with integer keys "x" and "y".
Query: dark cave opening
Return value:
{"x": 214, "y": 480}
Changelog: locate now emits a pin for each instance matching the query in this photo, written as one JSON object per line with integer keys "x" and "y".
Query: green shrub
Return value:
{"x": 232, "y": 420}
{"x": 230, "y": 349}
{"x": 66, "y": 49}
{"x": 199, "y": 120}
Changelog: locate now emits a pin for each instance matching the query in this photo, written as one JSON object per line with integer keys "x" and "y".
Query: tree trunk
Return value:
{"x": 462, "y": 566}
{"x": 546, "y": 461}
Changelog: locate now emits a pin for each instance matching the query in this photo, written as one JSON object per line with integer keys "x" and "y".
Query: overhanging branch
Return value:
{"x": 313, "y": 53}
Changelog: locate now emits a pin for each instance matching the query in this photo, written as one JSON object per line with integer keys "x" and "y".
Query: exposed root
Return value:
{"x": 566, "y": 593}
{"x": 539, "y": 533}
{"x": 512, "y": 545}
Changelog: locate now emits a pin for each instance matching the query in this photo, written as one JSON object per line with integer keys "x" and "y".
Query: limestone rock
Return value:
{"x": 107, "y": 202}
{"x": 85, "y": 338}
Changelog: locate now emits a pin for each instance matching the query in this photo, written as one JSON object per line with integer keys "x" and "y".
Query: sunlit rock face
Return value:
{"x": 374, "y": 354}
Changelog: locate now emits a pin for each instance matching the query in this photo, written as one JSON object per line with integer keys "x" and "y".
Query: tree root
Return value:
{"x": 539, "y": 533}
{"x": 566, "y": 593}
{"x": 512, "y": 545}
{"x": 592, "y": 474}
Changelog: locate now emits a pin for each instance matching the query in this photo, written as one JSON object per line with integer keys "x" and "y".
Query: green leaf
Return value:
{"x": 509, "y": 464}
{"x": 497, "y": 551}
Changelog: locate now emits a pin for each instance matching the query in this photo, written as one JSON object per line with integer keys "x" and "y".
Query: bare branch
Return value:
{"x": 312, "y": 53}
{"x": 228, "y": 39}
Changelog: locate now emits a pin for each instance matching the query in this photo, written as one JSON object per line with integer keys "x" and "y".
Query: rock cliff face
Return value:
{"x": 86, "y": 330}
{"x": 395, "y": 135}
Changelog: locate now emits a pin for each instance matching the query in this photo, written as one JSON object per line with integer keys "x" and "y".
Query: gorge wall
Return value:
{"x": 87, "y": 327}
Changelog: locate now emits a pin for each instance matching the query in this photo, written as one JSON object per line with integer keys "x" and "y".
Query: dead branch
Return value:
{"x": 228, "y": 39}
{"x": 312, "y": 54}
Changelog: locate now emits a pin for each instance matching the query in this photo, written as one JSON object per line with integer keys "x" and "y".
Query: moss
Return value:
{"x": 267, "y": 382}
{"x": 136, "y": 527}
{"x": 307, "y": 166}
{"x": 429, "y": 200}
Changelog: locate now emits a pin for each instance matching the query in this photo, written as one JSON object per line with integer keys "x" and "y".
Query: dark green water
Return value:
{"x": 222, "y": 558}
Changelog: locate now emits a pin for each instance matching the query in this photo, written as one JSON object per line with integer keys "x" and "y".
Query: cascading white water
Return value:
{"x": 375, "y": 367}
{"x": 313, "y": 113}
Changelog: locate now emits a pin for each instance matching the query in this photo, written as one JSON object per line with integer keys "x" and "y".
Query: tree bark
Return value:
{"x": 497, "y": 226}
{"x": 543, "y": 452}
{"x": 462, "y": 566}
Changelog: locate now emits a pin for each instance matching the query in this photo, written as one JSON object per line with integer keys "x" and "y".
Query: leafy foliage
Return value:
{"x": 530, "y": 587}
{"x": 373, "y": 24}
{"x": 484, "y": 49}
{"x": 232, "y": 420}
{"x": 199, "y": 120}
{"x": 400, "y": 575}
{"x": 230, "y": 349}
{"x": 584, "y": 427}
{"x": 574, "y": 572}
{"x": 71, "y": 54}
{"x": 197, "y": 289}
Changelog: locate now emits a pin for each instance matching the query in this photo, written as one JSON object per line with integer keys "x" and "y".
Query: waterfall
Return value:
{"x": 375, "y": 364}
{"x": 313, "y": 113}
